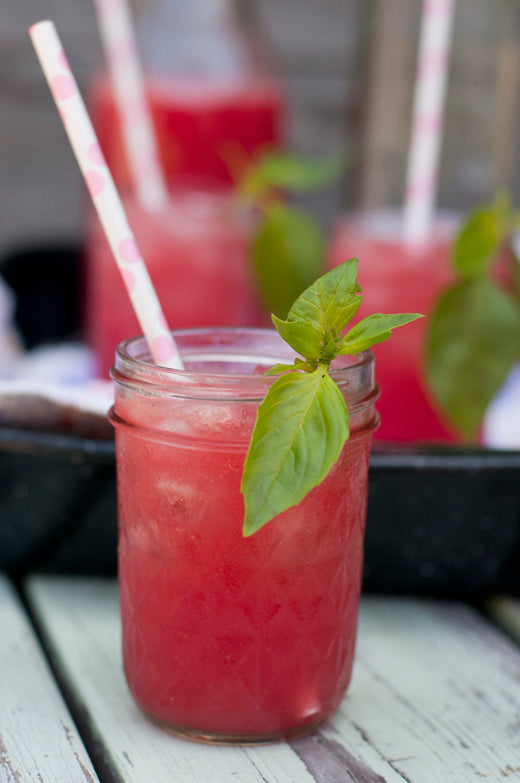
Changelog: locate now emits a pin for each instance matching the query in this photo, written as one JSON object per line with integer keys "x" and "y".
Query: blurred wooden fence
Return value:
{"x": 348, "y": 66}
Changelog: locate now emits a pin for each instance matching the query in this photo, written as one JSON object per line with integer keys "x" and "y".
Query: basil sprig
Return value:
{"x": 303, "y": 422}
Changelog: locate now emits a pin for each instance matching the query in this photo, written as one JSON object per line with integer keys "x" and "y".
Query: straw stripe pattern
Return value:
{"x": 428, "y": 109}
{"x": 103, "y": 192}
{"x": 117, "y": 33}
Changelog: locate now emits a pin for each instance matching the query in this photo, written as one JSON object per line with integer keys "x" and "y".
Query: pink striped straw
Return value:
{"x": 119, "y": 42}
{"x": 104, "y": 194}
{"x": 428, "y": 109}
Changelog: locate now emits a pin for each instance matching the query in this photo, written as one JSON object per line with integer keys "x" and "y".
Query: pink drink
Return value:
{"x": 229, "y": 638}
{"x": 200, "y": 123}
{"x": 197, "y": 254}
{"x": 397, "y": 278}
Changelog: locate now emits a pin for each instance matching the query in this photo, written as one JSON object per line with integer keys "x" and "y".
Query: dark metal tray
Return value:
{"x": 440, "y": 522}
{"x": 444, "y": 522}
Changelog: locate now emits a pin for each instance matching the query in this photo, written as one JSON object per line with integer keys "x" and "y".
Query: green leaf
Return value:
{"x": 318, "y": 316}
{"x": 284, "y": 170}
{"x": 374, "y": 329}
{"x": 304, "y": 338}
{"x": 288, "y": 254}
{"x": 330, "y": 302}
{"x": 277, "y": 369}
{"x": 478, "y": 241}
{"x": 473, "y": 341}
{"x": 302, "y": 423}
{"x": 301, "y": 427}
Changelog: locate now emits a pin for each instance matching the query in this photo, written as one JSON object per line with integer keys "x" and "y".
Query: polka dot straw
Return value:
{"x": 104, "y": 194}
{"x": 430, "y": 87}
{"x": 117, "y": 33}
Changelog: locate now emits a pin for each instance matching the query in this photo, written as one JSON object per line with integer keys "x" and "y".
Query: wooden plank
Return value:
{"x": 436, "y": 691}
{"x": 38, "y": 739}
{"x": 390, "y": 62}
{"x": 435, "y": 698}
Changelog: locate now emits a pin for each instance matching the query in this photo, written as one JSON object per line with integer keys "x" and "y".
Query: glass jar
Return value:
{"x": 213, "y": 100}
{"x": 227, "y": 638}
{"x": 198, "y": 253}
{"x": 399, "y": 277}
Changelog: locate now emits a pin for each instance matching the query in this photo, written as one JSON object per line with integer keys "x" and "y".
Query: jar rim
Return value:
{"x": 237, "y": 346}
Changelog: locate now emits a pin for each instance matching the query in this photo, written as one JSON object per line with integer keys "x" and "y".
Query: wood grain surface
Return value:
{"x": 435, "y": 698}
{"x": 38, "y": 739}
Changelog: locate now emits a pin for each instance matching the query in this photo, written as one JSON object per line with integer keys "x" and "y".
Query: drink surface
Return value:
{"x": 227, "y": 637}
{"x": 199, "y": 123}
{"x": 397, "y": 278}
{"x": 197, "y": 254}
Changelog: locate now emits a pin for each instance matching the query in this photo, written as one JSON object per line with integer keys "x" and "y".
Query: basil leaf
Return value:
{"x": 374, "y": 329}
{"x": 473, "y": 341}
{"x": 330, "y": 302}
{"x": 288, "y": 254}
{"x": 302, "y": 337}
{"x": 301, "y": 427}
{"x": 478, "y": 241}
{"x": 289, "y": 171}
{"x": 319, "y": 314}
{"x": 278, "y": 369}
{"x": 302, "y": 424}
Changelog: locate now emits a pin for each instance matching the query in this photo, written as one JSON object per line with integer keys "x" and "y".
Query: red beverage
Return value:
{"x": 201, "y": 123}
{"x": 197, "y": 254}
{"x": 229, "y": 638}
{"x": 398, "y": 278}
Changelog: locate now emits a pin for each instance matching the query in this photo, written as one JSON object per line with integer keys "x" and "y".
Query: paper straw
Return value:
{"x": 119, "y": 42}
{"x": 428, "y": 109}
{"x": 104, "y": 194}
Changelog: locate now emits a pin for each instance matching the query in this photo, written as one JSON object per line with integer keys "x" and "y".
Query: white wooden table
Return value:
{"x": 435, "y": 698}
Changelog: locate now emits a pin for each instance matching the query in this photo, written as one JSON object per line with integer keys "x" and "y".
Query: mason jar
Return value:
{"x": 229, "y": 638}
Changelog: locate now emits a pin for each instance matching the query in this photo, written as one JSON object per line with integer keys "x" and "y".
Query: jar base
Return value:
{"x": 234, "y": 738}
